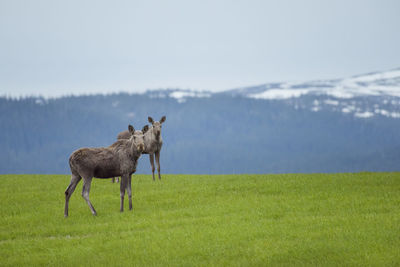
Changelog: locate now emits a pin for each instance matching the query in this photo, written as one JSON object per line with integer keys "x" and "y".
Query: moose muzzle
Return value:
{"x": 140, "y": 147}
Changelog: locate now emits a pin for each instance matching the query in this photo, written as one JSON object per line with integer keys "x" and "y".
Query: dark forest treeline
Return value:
{"x": 217, "y": 134}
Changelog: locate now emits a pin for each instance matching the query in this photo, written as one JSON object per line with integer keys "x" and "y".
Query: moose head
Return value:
{"x": 138, "y": 136}
{"x": 157, "y": 126}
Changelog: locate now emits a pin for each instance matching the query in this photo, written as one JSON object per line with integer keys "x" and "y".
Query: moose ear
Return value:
{"x": 145, "y": 129}
{"x": 131, "y": 129}
{"x": 163, "y": 119}
{"x": 150, "y": 120}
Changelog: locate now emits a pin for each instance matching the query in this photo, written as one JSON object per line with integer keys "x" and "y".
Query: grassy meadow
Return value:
{"x": 190, "y": 220}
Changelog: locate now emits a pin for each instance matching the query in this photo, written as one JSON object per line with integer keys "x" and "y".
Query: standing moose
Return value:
{"x": 119, "y": 159}
{"x": 152, "y": 142}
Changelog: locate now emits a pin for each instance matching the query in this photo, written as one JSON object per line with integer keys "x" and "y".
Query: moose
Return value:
{"x": 119, "y": 159}
{"x": 152, "y": 142}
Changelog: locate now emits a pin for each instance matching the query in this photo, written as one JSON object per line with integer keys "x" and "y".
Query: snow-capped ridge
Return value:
{"x": 373, "y": 84}
{"x": 362, "y": 96}
{"x": 181, "y": 95}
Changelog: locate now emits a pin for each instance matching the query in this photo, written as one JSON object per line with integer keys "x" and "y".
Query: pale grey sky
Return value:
{"x": 54, "y": 48}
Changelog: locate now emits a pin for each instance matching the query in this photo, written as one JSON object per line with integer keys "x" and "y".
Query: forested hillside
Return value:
{"x": 216, "y": 133}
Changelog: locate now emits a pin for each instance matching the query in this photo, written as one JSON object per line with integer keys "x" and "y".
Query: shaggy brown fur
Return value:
{"x": 119, "y": 159}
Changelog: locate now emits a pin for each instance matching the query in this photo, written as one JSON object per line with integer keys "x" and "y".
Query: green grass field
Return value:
{"x": 240, "y": 220}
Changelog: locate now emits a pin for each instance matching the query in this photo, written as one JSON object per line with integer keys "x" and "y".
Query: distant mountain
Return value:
{"x": 363, "y": 96}
{"x": 372, "y": 84}
{"x": 340, "y": 125}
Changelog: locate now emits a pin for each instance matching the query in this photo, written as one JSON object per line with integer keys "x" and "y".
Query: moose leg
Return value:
{"x": 75, "y": 178}
{"x": 158, "y": 164}
{"x": 123, "y": 184}
{"x": 130, "y": 192}
{"x": 85, "y": 193}
{"x": 152, "y": 164}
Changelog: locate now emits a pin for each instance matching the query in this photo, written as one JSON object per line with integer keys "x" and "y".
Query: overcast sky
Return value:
{"x": 54, "y": 48}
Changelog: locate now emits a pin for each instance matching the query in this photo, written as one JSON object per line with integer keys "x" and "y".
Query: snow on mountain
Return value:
{"x": 374, "y": 84}
{"x": 363, "y": 96}
{"x": 179, "y": 94}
